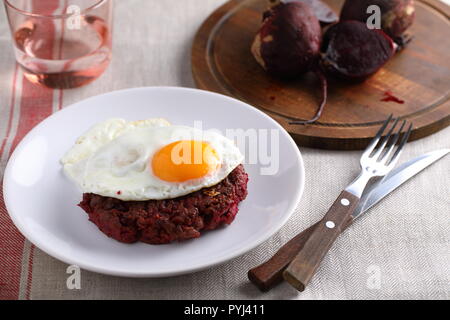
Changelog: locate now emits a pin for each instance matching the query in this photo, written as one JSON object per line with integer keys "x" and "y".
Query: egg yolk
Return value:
{"x": 185, "y": 160}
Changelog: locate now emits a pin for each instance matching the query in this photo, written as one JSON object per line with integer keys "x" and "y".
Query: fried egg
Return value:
{"x": 149, "y": 160}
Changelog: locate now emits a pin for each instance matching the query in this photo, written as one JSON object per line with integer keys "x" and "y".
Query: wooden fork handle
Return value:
{"x": 270, "y": 273}
{"x": 302, "y": 268}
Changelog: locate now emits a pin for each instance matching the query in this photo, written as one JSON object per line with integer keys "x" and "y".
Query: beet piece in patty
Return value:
{"x": 165, "y": 221}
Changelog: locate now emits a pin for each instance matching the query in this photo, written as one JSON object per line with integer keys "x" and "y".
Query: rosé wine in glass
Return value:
{"x": 61, "y": 44}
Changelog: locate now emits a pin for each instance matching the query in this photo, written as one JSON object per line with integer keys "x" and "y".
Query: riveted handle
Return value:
{"x": 270, "y": 273}
{"x": 302, "y": 268}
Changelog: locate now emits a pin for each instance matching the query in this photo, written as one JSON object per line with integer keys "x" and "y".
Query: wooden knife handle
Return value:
{"x": 302, "y": 268}
{"x": 270, "y": 273}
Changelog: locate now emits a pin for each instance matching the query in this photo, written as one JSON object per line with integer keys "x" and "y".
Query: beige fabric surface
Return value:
{"x": 405, "y": 239}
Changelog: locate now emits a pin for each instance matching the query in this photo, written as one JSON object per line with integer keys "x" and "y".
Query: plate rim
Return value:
{"x": 134, "y": 274}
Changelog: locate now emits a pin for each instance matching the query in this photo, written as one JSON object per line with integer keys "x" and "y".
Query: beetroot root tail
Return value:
{"x": 324, "y": 84}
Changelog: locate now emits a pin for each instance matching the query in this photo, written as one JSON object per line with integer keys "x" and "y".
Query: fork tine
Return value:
{"x": 385, "y": 140}
{"x": 404, "y": 140}
{"x": 377, "y": 137}
{"x": 390, "y": 147}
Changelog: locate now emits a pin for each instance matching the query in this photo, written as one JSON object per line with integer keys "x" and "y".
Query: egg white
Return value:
{"x": 113, "y": 159}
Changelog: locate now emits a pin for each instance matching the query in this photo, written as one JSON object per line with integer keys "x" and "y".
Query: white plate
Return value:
{"x": 42, "y": 202}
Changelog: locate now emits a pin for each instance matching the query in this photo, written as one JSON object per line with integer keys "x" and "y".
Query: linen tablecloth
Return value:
{"x": 399, "y": 250}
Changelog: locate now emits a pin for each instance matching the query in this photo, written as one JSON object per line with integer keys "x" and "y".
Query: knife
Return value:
{"x": 270, "y": 273}
{"x": 378, "y": 191}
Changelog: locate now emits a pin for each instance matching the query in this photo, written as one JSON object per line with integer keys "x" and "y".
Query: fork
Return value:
{"x": 377, "y": 160}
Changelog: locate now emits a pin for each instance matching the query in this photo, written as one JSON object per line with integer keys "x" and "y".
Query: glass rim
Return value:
{"x": 54, "y": 16}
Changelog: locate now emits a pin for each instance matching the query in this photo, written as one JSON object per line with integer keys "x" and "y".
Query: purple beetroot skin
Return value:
{"x": 396, "y": 15}
{"x": 288, "y": 43}
{"x": 323, "y": 12}
{"x": 354, "y": 52}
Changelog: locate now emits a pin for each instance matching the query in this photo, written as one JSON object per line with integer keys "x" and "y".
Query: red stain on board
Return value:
{"x": 389, "y": 97}
{"x": 272, "y": 98}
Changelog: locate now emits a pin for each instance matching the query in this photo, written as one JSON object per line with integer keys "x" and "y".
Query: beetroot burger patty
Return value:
{"x": 164, "y": 221}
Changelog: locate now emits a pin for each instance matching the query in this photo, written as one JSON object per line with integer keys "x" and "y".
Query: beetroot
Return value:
{"x": 355, "y": 52}
{"x": 288, "y": 43}
{"x": 396, "y": 15}
{"x": 287, "y": 46}
{"x": 322, "y": 11}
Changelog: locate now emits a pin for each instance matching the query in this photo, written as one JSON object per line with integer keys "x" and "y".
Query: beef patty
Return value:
{"x": 165, "y": 221}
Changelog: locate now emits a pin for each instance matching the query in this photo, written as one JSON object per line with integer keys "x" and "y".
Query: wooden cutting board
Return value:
{"x": 419, "y": 75}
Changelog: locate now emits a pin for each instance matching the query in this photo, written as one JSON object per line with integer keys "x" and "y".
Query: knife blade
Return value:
{"x": 269, "y": 274}
{"x": 378, "y": 191}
